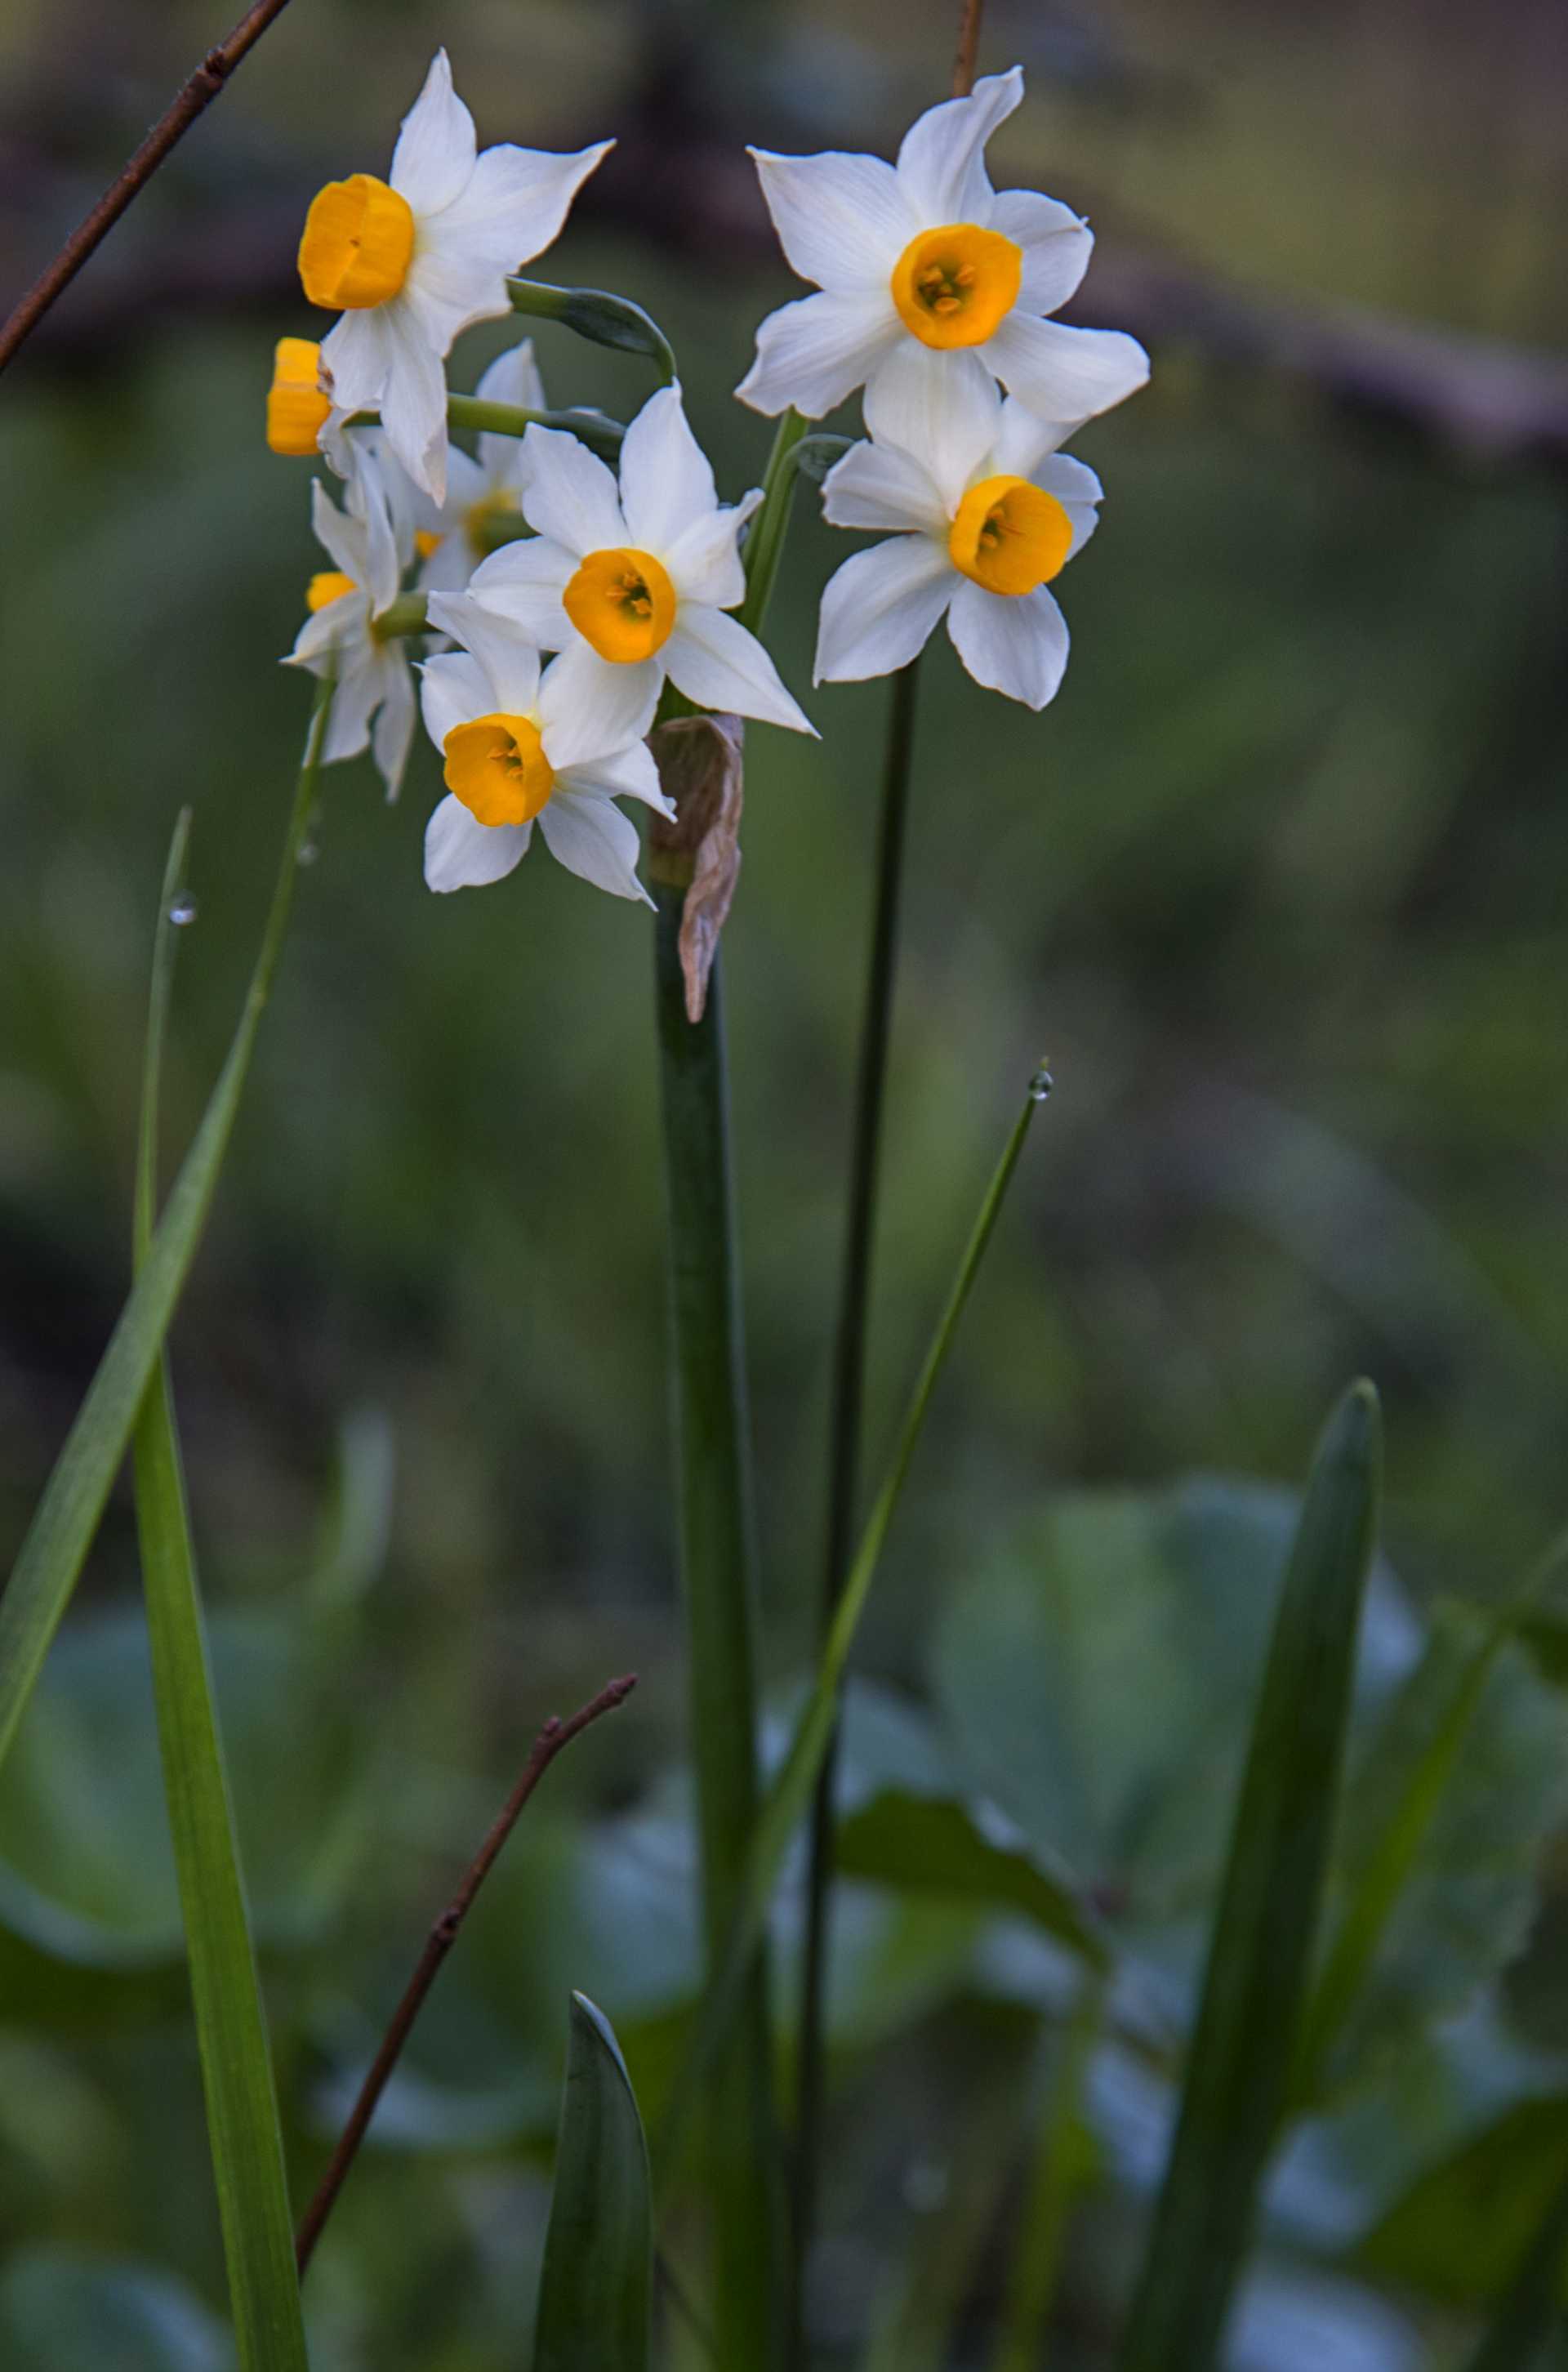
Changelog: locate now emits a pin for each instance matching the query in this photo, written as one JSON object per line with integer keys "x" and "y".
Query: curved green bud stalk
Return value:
{"x": 604, "y": 319}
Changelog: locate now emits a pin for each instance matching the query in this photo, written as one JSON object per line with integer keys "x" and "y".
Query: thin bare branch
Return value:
{"x": 197, "y": 94}
{"x": 437, "y": 1944}
{"x": 968, "y": 47}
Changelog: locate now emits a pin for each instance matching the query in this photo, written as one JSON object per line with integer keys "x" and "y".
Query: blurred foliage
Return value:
{"x": 1277, "y": 880}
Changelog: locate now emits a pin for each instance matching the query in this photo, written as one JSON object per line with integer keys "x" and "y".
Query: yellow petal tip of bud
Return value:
{"x": 1009, "y": 535}
{"x": 497, "y": 766}
{"x": 954, "y": 286}
{"x": 296, "y": 409}
{"x": 357, "y": 246}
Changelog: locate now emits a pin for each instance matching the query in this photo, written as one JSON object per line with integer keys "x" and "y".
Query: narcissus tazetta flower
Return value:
{"x": 922, "y": 265}
{"x": 340, "y": 637}
{"x": 985, "y": 512}
{"x": 631, "y": 582}
{"x": 413, "y": 259}
{"x": 483, "y": 493}
{"x": 522, "y": 748}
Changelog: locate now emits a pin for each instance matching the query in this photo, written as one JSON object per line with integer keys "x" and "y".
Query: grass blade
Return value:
{"x": 62, "y": 1531}
{"x": 790, "y": 1793}
{"x": 1260, "y": 1952}
{"x": 231, "y": 2035}
{"x": 1532, "y": 2311}
{"x": 595, "y": 2293}
{"x": 1063, "y": 2163}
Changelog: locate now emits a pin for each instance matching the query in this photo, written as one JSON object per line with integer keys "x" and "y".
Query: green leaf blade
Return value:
{"x": 597, "y": 2287}
{"x": 1262, "y": 1940}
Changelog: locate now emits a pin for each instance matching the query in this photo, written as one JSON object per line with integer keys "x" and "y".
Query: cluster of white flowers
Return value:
{"x": 931, "y": 288}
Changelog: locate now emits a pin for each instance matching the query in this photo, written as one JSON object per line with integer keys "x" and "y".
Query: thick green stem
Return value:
{"x": 764, "y": 540}
{"x": 843, "y": 1453}
{"x": 718, "y": 1560}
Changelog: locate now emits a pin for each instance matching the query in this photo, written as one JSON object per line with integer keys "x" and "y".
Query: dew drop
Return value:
{"x": 307, "y": 852}
{"x": 182, "y": 911}
{"x": 1040, "y": 1085}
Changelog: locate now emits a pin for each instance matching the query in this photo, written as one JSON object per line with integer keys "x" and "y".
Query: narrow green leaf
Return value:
{"x": 1463, "y": 2229}
{"x": 1065, "y": 2159}
{"x": 62, "y": 1531}
{"x": 242, "y": 2118}
{"x": 604, "y": 319}
{"x": 1532, "y": 2311}
{"x": 790, "y": 1793}
{"x": 937, "y": 1844}
{"x": 595, "y": 2293}
{"x": 1261, "y": 1950}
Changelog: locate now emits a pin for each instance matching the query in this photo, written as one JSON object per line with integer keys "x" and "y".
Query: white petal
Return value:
{"x": 626, "y": 774}
{"x": 666, "y": 479}
{"x": 942, "y": 161}
{"x": 513, "y": 203}
{"x": 704, "y": 563}
{"x": 1064, "y": 374}
{"x": 446, "y": 291}
{"x": 508, "y": 658}
{"x": 1024, "y": 439}
{"x": 1016, "y": 644}
{"x": 712, "y": 660}
{"x": 461, "y": 853}
{"x": 413, "y": 401}
{"x": 448, "y": 568}
{"x": 1057, "y": 245}
{"x": 394, "y": 726}
{"x": 570, "y": 494}
{"x": 524, "y": 582}
{"x": 435, "y": 147}
{"x": 342, "y": 538}
{"x": 354, "y": 697}
{"x": 941, "y": 407}
{"x": 588, "y": 706}
{"x": 512, "y": 377}
{"x": 356, "y": 357}
{"x": 814, "y": 352}
{"x": 591, "y": 836}
{"x": 383, "y": 564}
{"x": 877, "y": 486}
{"x": 879, "y": 607}
{"x": 330, "y": 629}
{"x": 842, "y": 221}
{"x": 453, "y": 690}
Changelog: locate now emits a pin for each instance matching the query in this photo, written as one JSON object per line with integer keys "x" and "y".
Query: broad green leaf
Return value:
{"x": 1264, "y": 1930}
{"x": 938, "y": 1845}
{"x": 595, "y": 2290}
{"x": 1463, "y": 2230}
{"x": 231, "y": 2031}
{"x": 62, "y": 1531}
{"x": 63, "y": 2311}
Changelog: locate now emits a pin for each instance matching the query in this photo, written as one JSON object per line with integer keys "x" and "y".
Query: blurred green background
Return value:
{"x": 1276, "y": 882}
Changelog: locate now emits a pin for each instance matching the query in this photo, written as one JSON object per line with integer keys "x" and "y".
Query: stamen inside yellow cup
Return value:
{"x": 296, "y": 409}
{"x": 326, "y": 585}
{"x": 622, "y": 602}
{"x": 357, "y": 246}
{"x": 1009, "y": 535}
{"x": 954, "y": 286}
{"x": 497, "y": 767}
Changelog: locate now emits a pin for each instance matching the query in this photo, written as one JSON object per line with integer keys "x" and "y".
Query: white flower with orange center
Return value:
{"x": 520, "y": 747}
{"x": 373, "y": 703}
{"x": 411, "y": 260}
{"x": 922, "y": 266}
{"x": 631, "y": 582}
{"x": 482, "y": 493}
{"x": 984, "y": 513}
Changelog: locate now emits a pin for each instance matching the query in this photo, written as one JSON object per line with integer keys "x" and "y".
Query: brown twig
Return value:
{"x": 437, "y": 1944}
{"x": 968, "y": 46}
{"x": 197, "y": 94}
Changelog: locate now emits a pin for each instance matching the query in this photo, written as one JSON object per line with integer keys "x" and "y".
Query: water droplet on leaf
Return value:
{"x": 1040, "y": 1085}
{"x": 307, "y": 852}
{"x": 182, "y": 911}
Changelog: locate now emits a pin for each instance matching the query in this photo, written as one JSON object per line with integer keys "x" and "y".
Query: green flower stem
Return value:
{"x": 404, "y": 616}
{"x": 604, "y": 319}
{"x": 717, "y": 1559}
{"x": 62, "y": 1531}
{"x": 764, "y": 540}
{"x": 595, "y": 428}
{"x": 844, "y": 1451}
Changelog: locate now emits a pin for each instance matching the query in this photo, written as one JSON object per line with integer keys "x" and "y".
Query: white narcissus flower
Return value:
{"x": 631, "y": 582}
{"x": 984, "y": 512}
{"x": 480, "y": 493}
{"x": 412, "y": 260}
{"x": 922, "y": 265}
{"x": 340, "y": 637}
{"x": 520, "y": 748}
